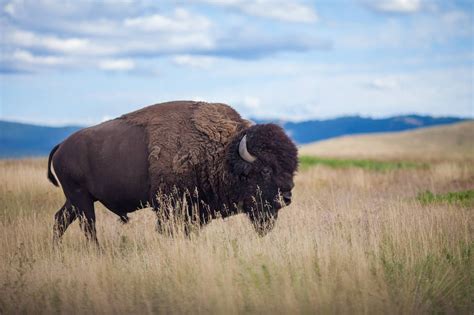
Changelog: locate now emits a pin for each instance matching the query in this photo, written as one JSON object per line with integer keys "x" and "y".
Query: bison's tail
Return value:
{"x": 51, "y": 176}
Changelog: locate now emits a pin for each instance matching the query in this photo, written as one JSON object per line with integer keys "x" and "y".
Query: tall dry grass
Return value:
{"x": 353, "y": 241}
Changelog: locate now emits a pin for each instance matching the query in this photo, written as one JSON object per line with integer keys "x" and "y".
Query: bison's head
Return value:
{"x": 263, "y": 161}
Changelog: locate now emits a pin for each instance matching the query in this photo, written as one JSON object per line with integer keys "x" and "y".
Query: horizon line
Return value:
{"x": 268, "y": 119}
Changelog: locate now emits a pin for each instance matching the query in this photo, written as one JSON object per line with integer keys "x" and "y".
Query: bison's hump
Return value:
{"x": 218, "y": 122}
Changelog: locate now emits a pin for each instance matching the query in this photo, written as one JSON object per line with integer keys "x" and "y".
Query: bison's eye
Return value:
{"x": 266, "y": 172}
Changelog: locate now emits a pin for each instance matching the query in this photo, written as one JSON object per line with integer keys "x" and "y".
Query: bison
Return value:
{"x": 222, "y": 165}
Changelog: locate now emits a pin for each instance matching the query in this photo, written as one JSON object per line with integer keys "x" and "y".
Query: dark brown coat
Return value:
{"x": 177, "y": 146}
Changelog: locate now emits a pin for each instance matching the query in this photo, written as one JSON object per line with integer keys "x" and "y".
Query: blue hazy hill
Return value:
{"x": 315, "y": 130}
{"x": 21, "y": 140}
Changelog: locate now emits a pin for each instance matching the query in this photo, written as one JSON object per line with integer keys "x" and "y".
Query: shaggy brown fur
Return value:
{"x": 186, "y": 142}
{"x": 174, "y": 148}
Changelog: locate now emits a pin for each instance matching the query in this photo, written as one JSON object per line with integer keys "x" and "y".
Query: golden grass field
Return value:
{"x": 354, "y": 241}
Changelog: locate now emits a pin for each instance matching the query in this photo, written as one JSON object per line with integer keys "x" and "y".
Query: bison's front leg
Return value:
{"x": 162, "y": 222}
{"x": 170, "y": 225}
{"x": 172, "y": 221}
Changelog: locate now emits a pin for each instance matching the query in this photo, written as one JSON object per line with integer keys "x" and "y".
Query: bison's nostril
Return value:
{"x": 287, "y": 197}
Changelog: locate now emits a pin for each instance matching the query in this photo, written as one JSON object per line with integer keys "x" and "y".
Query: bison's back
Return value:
{"x": 110, "y": 161}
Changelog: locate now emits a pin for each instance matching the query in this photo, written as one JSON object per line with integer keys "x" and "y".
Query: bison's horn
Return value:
{"x": 244, "y": 153}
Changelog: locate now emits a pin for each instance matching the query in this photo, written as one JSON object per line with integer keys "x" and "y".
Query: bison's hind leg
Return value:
{"x": 87, "y": 220}
{"x": 62, "y": 219}
{"x": 83, "y": 206}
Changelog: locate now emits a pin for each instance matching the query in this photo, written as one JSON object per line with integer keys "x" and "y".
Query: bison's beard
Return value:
{"x": 262, "y": 213}
{"x": 263, "y": 221}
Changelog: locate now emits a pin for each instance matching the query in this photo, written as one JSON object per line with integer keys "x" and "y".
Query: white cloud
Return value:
{"x": 87, "y": 33}
{"x": 396, "y": 6}
{"x": 9, "y": 8}
{"x": 386, "y": 83}
{"x": 181, "y": 21}
{"x": 187, "y": 42}
{"x": 284, "y": 11}
{"x": 314, "y": 91}
{"x": 455, "y": 17}
{"x": 117, "y": 65}
{"x": 26, "y": 57}
{"x": 47, "y": 10}
{"x": 423, "y": 32}
{"x": 106, "y": 118}
{"x": 288, "y": 11}
{"x": 193, "y": 61}
{"x": 99, "y": 27}
{"x": 73, "y": 46}
{"x": 457, "y": 22}
{"x": 251, "y": 102}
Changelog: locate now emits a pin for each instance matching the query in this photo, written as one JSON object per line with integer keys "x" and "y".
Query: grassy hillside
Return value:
{"x": 454, "y": 141}
{"x": 377, "y": 238}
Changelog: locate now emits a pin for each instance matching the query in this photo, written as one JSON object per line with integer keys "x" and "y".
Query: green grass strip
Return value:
{"x": 464, "y": 198}
{"x": 307, "y": 162}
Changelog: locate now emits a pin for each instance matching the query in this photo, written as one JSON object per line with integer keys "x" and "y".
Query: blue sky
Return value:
{"x": 83, "y": 62}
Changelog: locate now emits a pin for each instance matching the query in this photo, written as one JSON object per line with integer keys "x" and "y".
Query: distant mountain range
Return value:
{"x": 22, "y": 140}
{"x": 315, "y": 130}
